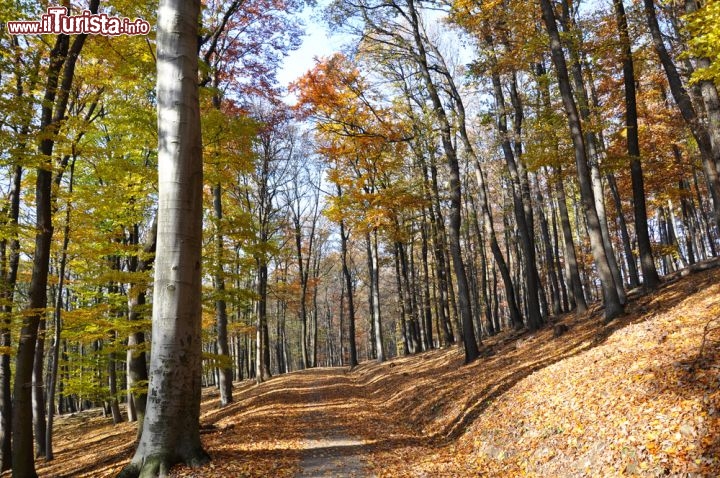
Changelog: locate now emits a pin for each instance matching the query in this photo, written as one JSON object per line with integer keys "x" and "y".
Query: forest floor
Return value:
{"x": 640, "y": 396}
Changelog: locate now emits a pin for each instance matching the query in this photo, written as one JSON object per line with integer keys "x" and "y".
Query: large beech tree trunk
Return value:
{"x": 171, "y": 429}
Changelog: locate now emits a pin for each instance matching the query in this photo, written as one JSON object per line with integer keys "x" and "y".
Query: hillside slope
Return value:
{"x": 639, "y": 396}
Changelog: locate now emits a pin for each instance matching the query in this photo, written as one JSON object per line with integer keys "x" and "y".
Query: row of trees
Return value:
{"x": 419, "y": 194}
{"x": 547, "y": 82}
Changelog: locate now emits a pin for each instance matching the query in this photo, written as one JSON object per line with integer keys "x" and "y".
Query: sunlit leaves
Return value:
{"x": 363, "y": 141}
{"x": 705, "y": 39}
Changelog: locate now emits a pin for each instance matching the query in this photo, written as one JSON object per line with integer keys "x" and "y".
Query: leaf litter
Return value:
{"x": 637, "y": 397}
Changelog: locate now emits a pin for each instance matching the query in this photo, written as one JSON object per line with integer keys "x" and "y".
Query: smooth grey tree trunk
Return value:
{"x": 409, "y": 305}
{"x": 599, "y": 193}
{"x": 437, "y": 222}
{"x": 548, "y": 252}
{"x": 171, "y": 429}
{"x": 490, "y": 326}
{"x": 709, "y": 94}
{"x": 458, "y": 107}
{"x": 592, "y": 143}
{"x": 402, "y": 311}
{"x": 426, "y": 298}
{"x": 576, "y": 294}
{"x": 632, "y": 272}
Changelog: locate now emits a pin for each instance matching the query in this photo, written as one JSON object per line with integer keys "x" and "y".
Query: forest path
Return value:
{"x": 329, "y": 449}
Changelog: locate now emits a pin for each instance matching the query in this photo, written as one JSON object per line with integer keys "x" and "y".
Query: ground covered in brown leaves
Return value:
{"x": 639, "y": 396}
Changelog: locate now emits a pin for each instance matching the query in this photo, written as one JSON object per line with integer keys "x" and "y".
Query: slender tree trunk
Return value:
{"x": 520, "y": 206}
{"x": 413, "y": 337}
{"x": 402, "y": 309}
{"x": 592, "y": 146}
{"x": 221, "y": 319}
{"x": 510, "y": 296}
{"x": 9, "y": 264}
{"x": 341, "y": 331}
{"x": 556, "y": 248}
{"x": 611, "y": 299}
{"x": 632, "y": 272}
{"x": 599, "y": 193}
{"x": 136, "y": 357}
{"x": 463, "y": 296}
{"x": 490, "y": 325}
{"x": 426, "y": 298}
{"x": 315, "y": 274}
{"x": 112, "y": 385}
{"x": 549, "y": 259}
{"x": 350, "y": 296}
{"x": 55, "y": 351}
{"x": 371, "y": 296}
{"x": 61, "y": 72}
{"x": 647, "y": 262}
{"x": 303, "y": 273}
{"x": 440, "y": 247}
{"x": 571, "y": 265}
{"x": 38, "y": 391}
{"x": 689, "y": 226}
{"x": 5, "y": 397}
{"x": 9, "y": 276}
{"x": 375, "y": 279}
{"x": 262, "y": 358}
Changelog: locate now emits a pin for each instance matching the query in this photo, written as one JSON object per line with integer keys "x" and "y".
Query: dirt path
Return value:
{"x": 329, "y": 450}
{"x": 334, "y": 454}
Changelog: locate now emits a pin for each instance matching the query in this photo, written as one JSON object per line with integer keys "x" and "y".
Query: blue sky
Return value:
{"x": 317, "y": 42}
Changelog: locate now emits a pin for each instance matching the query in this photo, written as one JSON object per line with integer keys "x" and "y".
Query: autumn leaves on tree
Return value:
{"x": 415, "y": 195}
